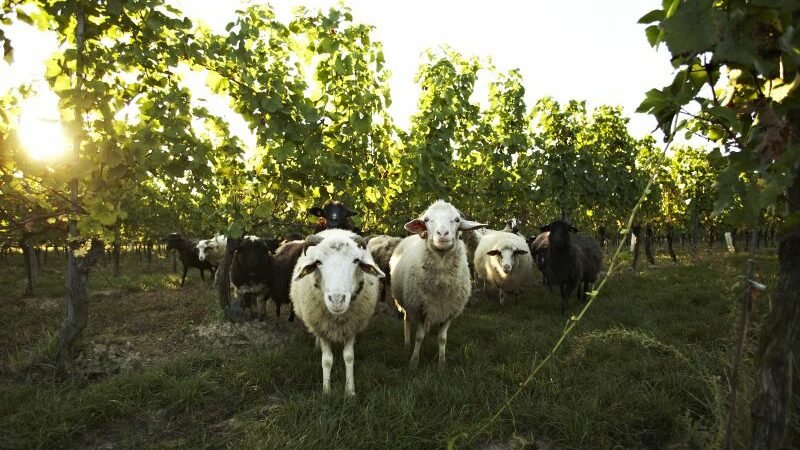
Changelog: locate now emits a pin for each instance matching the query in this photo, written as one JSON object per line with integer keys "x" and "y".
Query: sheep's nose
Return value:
{"x": 443, "y": 233}
{"x": 507, "y": 267}
{"x": 336, "y": 299}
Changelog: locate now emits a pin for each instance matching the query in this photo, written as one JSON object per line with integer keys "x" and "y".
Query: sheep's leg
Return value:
{"x": 421, "y": 330}
{"x": 183, "y": 279}
{"x": 349, "y": 357}
{"x": 406, "y": 332}
{"x": 291, "y": 312}
{"x": 501, "y": 295}
{"x": 261, "y": 302}
{"x": 327, "y": 363}
{"x": 202, "y": 275}
{"x": 277, "y": 310}
{"x": 443, "y": 342}
{"x": 564, "y": 296}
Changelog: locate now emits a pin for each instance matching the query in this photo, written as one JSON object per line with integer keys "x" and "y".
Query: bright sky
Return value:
{"x": 568, "y": 49}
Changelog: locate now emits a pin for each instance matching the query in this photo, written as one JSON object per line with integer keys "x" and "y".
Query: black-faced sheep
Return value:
{"x": 334, "y": 292}
{"x": 333, "y": 215}
{"x": 250, "y": 270}
{"x": 504, "y": 264}
{"x": 189, "y": 255}
{"x": 430, "y": 276}
{"x": 573, "y": 261}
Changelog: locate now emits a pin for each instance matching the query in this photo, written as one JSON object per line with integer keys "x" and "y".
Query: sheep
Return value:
{"x": 187, "y": 250}
{"x": 573, "y": 261}
{"x": 503, "y": 263}
{"x": 251, "y": 265}
{"x": 430, "y": 276}
{"x": 333, "y": 215}
{"x": 381, "y": 248}
{"x": 280, "y": 276}
{"x": 293, "y": 236}
{"x": 334, "y": 291}
{"x": 538, "y": 247}
{"x": 512, "y": 226}
{"x": 471, "y": 239}
{"x": 213, "y": 249}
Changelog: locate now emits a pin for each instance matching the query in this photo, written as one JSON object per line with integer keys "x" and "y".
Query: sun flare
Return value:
{"x": 40, "y": 130}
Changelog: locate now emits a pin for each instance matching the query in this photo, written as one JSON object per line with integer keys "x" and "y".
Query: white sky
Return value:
{"x": 568, "y": 49}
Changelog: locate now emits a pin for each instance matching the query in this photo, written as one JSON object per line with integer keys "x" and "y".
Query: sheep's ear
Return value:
{"x": 361, "y": 241}
{"x": 310, "y": 241}
{"x": 544, "y": 228}
{"x": 371, "y": 268}
{"x": 573, "y": 229}
{"x": 307, "y": 270}
{"x": 519, "y": 251}
{"x": 316, "y": 211}
{"x": 271, "y": 244}
{"x": 493, "y": 252}
{"x": 466, "y": 225}
{"x": 417, "y": 226}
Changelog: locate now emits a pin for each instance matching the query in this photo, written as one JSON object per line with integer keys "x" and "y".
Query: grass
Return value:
{"x": 646, "y": 369}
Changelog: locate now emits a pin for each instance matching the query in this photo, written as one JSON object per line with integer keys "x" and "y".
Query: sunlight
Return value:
{"x": 40, "y": 130}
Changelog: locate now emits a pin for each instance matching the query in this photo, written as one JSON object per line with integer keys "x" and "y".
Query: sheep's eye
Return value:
{"x": 458, "y": 219}
{"x": 427, "y": 219}
{"x": 356, "y": 261}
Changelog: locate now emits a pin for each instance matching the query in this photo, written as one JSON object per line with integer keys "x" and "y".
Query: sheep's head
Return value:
{"x": 173, "y": 241}
{"x": 335, "y": 215}
{"x": 559, "y": 232}
{"x": 512, "y": 225}
{"x": 202, "y": 247}
{"x": 440, "y": 225}
{"x": 504, "y": 257}
{"x": 338, "y": 264}
{"x": 254, "y": 255}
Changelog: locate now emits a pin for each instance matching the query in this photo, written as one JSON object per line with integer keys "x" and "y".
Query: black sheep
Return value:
{"x": 250, "y": 269}
{"x": 189, "y": 254}
{"x": 333, "y": 215}
{"x": 538, "y": 245}
{"x": 573, "y": 261}
{"x": 280, "y": 277}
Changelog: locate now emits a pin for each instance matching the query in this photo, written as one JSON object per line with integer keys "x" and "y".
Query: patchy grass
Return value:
{"x": 646, "y": 369}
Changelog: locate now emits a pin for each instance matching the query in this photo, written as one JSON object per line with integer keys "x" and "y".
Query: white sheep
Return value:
{"x": 503, "y": 263}
{"x": 213, "y": 249}
{"x": 334, "y": 292}
{"x": 430, "y": 277}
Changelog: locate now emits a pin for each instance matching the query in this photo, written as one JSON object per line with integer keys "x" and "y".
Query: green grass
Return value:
{"x": 646, "y": 369}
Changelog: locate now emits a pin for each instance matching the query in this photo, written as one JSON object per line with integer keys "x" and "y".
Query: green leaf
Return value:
{"x": 653, "y": 33}
{"x": 234, "y": 230}
{"x": 263, "y": 210}
{"x": 694, "y": 28}
{"x": 655, "y": 15}
{"x": 114, "y": 7}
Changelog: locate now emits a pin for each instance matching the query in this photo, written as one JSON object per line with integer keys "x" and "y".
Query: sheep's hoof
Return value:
{"x": 413, "y": 364}
{"x": 350, "y": 394}
{"x": 442, "y": 365}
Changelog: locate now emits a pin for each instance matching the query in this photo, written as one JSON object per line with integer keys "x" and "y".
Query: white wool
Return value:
{"x": 429, "y": 273}
{"x": 490, "y": 268}
{"x": 337, "y": 263}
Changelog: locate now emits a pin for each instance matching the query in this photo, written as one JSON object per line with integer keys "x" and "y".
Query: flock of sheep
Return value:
{"x": 334, "y": 279}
